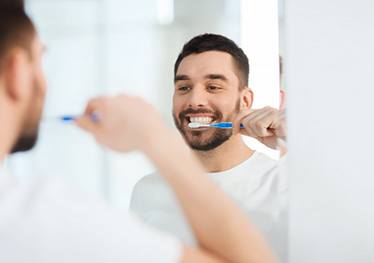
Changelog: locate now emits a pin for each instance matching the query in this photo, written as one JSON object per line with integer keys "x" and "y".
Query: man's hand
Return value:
{"x": 124, "y": 123}
{"x": 267, "y": 125}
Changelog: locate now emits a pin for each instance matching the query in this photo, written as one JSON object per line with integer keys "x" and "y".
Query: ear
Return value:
{"x": 246, "y": 98}
{"x": 282, "y": 99}
{"x": 17, "y": 74}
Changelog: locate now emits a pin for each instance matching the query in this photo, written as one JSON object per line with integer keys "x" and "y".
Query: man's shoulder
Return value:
{"x": 271, "y": 165}
{"x": 56, "y": 216}
{"x": 150, "y": 180}
{"x": 150, "y": 190}
{"x": 258, "y": 170}
{"x": 261, "y": 158}
{"x": 274, "y": 170}
{"x": 259, "y": 163}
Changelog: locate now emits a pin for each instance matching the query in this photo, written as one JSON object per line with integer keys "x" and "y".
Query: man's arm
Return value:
{"x": 196, "y": 255}
{"x": 223, "y": 230}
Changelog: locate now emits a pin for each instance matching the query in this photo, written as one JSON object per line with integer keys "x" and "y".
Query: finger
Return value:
{"x": 243, "y": 114}
{"x": 276, "y": 124}
{"x": 244, "y": 117}
{"x": 253, "y": 114}
{"x": 279, "y": 126}
{"x": 237, "y": 121}
{"x": 282, "y": 113}
{"x": 94, "y": 105}
{"x": 256, "y": 114}
{"x": 248, "y": 131}
{"x": 261, "y": 123}
{"x": 86, "y": 123}
{"x": 254, "y": 121}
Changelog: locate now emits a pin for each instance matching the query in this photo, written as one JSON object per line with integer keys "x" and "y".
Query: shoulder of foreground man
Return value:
{"x": 57, "y": 218}
{"x": 147, "y": 188}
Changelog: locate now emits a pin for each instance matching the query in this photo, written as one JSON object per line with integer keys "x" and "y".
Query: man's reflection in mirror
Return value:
{"x": 211, "y": 85}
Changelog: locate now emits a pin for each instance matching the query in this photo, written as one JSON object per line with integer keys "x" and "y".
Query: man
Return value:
{"x": 211, "y": 85}
{"x": 43, "y": 221}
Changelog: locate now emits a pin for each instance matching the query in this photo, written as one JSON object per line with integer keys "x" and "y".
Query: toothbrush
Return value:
{"x": 228, "y": 125}
{"x": 71, "y": 118}
{"x": 68, "y": 118}
{"x": 219, "y": 125}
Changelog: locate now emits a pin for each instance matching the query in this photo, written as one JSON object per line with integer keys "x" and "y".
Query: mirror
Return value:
{"x": 106, "y": 47}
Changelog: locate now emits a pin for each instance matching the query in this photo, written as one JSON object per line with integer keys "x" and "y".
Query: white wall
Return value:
{"x": 329, "y": 75}
{"x": 260, "y": 41}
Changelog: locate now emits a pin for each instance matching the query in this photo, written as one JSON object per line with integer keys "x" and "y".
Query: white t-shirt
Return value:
{"x": 45, "y": 221}
{"x": 257, "y": 185}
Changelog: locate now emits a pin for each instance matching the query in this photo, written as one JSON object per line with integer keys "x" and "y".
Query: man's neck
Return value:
{"x": 226, "y": 156}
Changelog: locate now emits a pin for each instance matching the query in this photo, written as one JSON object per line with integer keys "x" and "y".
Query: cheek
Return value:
{"x": 177, "y": 104}
{"x": 39, "y": 93}
{"x": 224, "y": 105}
{"x": 175, "y": 111}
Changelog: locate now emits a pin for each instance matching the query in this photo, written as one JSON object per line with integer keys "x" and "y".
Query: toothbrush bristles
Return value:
{"x": 195, "y": 125}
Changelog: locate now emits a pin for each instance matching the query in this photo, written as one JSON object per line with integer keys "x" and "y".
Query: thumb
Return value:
{"x": 87, "y": 124}
{"x": 238, "y": 120}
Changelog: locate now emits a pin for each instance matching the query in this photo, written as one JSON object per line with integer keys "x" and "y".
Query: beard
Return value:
{"x": 25, "y": 142}
{"x": 208, "y": 139}
{"x": 29, "y": 132}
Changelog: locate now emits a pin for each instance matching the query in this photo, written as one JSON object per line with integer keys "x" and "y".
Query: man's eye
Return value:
{"x": 183, "y": 88}
{"x": 213, "y": 88}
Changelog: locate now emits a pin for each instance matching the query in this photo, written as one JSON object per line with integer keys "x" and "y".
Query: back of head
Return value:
{"x": 22, "y": 88}
{"x": 16, "y": 28}
{"x": 12, "y": 4}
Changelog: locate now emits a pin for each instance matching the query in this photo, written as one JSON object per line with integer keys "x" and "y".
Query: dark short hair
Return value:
{"x": 12, "y": 4}
{"x": 16, "y": 28}
{"x": 214, "y": 42}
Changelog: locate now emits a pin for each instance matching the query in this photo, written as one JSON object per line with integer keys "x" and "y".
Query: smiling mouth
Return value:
{"x": 203, "y": 120}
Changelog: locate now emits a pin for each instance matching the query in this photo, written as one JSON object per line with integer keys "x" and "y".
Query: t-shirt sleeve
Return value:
{"x": 139, "y": 196}
{"x": 47, "y": 222}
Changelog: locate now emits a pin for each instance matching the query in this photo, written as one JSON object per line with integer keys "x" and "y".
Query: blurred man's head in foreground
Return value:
{"x": 22, "y": 82}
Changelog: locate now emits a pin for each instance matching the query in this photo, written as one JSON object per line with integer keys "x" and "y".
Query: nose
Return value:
{"x": 197, "y": 98}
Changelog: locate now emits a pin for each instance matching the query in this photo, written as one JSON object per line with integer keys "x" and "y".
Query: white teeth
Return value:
{"x": 195, "y": 125}
{"x": 205, "y": 120}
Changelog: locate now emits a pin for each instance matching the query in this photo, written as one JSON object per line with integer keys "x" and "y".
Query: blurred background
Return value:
{"x": 103, "y": 47}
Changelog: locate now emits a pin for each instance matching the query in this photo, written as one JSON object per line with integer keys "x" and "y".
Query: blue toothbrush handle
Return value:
{"x": 225, "y": 125}
{"x": 70, "y": 118}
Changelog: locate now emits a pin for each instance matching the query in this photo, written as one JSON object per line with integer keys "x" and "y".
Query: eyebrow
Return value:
{"x": 180, "y": 78}
{"x": 216, "y": 76}
{"x": 209, "y": 76}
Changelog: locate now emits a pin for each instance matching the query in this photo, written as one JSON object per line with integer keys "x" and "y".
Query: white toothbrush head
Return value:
{"x": 195, "y": 125}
